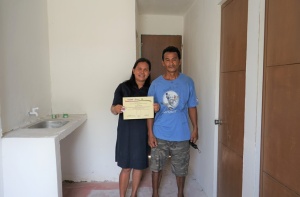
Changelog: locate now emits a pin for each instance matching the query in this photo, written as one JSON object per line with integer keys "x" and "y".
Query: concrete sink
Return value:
{"x": 46, "y": 124}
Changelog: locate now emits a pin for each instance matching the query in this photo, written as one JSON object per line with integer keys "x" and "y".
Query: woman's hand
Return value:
{"x": 156, "y": 107}
{"x": 117, "y": 109}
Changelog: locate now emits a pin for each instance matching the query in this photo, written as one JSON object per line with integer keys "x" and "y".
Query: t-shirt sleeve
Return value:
{"x": 118, "y": 96}
{"x": 193, "y": 100}
{"x": 151, "y": 90}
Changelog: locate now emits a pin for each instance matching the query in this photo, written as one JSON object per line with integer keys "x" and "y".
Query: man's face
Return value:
{"x": 171, "y": 62}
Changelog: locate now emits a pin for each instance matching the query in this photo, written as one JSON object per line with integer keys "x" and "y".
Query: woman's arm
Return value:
{"x": 117, "y": 109}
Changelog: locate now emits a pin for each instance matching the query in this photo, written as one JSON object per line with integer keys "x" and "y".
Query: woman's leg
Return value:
{"x": 136, "y": 179}
{"x": 124, "y": 180}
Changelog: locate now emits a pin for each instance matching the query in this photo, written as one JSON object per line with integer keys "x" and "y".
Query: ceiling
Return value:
{"x": 163, "y": 7}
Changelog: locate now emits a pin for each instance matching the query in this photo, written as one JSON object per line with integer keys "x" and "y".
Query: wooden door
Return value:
{"x": 280, "y": 153}
{"x": 152, "y": 47}
{"x": 232, "y": 97}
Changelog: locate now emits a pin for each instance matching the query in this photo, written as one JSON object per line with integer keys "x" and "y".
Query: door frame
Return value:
{"x": 254, "y": 97}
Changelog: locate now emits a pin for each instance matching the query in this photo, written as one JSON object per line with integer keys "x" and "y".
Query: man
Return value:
{"x": 168, "y": 132}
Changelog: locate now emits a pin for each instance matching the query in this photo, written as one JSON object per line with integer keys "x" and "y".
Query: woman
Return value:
{"x": 132, "y": 139}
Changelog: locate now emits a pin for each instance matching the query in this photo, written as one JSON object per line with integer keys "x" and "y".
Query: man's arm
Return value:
{"x": 151, "y": 138}
{"x": 194, "y": 119}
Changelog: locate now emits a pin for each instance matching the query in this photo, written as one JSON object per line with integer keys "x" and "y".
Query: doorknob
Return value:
{"x": 218, "y": 122}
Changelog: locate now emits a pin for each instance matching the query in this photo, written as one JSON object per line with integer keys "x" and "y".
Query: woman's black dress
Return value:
{"x": 132, "y": 138}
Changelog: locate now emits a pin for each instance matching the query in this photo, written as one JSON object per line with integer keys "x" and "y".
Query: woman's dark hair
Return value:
{"x": 132, "y": 78}
{"x": 171, "y": 49}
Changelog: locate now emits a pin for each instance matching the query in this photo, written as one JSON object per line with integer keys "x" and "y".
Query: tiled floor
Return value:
{"x": 168, "y": 187}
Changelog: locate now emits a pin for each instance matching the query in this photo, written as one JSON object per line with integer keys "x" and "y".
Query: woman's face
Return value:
{"x": 141, "y": 72}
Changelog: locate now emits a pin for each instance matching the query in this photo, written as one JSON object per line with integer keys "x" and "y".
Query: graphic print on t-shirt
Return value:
{"x": 170, "y": 99}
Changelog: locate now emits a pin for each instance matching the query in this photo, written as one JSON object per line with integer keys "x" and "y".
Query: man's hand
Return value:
{"x": 194, "y": 136}
{"x": 152, "y": 141}
{"x": 156, "y": 107}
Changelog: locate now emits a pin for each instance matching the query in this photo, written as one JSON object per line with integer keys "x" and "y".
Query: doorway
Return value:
{"x": 152, "y": 47}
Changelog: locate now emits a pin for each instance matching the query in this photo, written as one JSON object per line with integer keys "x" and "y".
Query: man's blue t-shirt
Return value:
{"x": 171, "y": 122}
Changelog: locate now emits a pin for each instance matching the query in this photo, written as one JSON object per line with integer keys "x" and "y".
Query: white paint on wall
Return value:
{"x": 1, "y": 169}
{"x": 201, "y": 61}
{"x": 1, "y": 158}
{"x": 1, "y": 82}
{"x": 220, "y": 2}
{"x": 160, "y": 25}
{"x": 24, "y": 59}
{"x": 92, "y": 50}
{"x": 24, "y": 64}
{"x": 137, "y": 36}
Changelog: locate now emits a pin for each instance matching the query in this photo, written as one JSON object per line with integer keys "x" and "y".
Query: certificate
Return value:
{"x": 138, "y": 107}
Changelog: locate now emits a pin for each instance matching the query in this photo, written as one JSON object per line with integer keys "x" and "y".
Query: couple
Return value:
{"x": 167, "y": 134}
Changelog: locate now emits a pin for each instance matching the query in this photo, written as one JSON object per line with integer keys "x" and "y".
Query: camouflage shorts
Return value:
{"x": 179, "y": 152}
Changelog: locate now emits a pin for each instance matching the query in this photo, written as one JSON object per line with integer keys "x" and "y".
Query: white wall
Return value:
{"x": 201, "y": 62}
{"x": 1, "y": 160}
{"x": 1, "y": 82}
{"x": 137, "y": 36}
{"x": 24, "y": 64}
{"x": 24, "y": 59}
{"x": 160, "y": 25}
{"x": 92, "y": 50}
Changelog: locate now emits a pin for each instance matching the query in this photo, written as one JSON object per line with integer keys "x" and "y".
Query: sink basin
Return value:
{"x": 46, "y": 124}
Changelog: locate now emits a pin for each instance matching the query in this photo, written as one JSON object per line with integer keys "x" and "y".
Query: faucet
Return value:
{"x": 33, "y": 111}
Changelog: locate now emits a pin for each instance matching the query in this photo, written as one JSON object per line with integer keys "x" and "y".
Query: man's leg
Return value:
{"x": 156, "y": 178}
{"x": 159, "y": 154}
{"x": 180, "y": 184}
{"x": 180, "y": 156}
